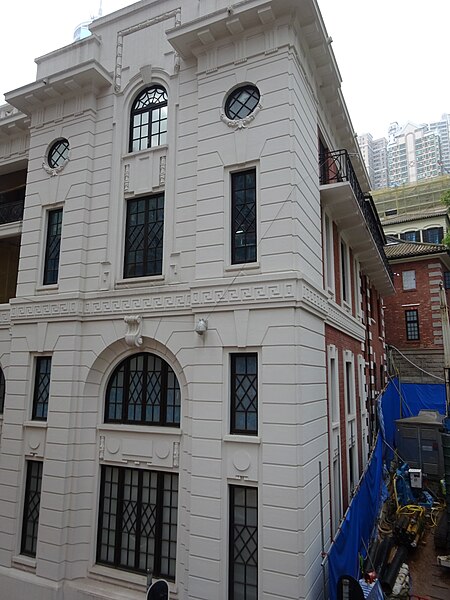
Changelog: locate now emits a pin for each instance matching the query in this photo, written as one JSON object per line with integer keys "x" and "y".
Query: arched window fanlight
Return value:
{"x": 148, "y": 122}
{"x": 143, "y": 390}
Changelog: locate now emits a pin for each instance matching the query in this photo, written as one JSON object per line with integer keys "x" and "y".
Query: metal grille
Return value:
{"x": 58, "y": 153}
{"x": 149, "y": 119}
{"x": 241, "y": 102}
{"x": 243, "y": 577}
{"x": 244, "y": 393}
{"x": 412, "y": 324}
{"x": 31, "y": 508}
{"x": 243, "y": 216}
{"x": 2, "y": 391}
{"x": 143, "y": 389}
{"x": 41, "y": 388}
{"x": 138, "y": 520}
{"x": 52, "y": 250}
{"x": 144, "y": 236}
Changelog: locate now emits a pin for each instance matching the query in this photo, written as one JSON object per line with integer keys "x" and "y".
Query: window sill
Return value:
{"x": 122, "y": 578}
{"x": 117, "y": 576}
{"x": 144, "y": 281}
{"x": 245, "y": 439}
{"x": 36, "y": 424}
{"x": 139, "y": 429}
{"x": 25, "y": 563}
{"x": 144, "y": 151}
{"x": 52, "y": 287}
{"x": 242, "y": 267}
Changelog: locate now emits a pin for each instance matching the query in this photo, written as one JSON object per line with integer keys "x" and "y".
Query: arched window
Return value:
{"x": 2, "y": 391}
{"x": 143, "y": 390}
{"x": 148, "y": 123}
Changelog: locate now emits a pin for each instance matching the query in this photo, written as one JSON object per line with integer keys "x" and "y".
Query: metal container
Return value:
{"x": 419, "y": 444}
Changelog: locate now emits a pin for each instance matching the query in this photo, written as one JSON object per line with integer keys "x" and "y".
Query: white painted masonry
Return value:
{"x": 275, "y": 307}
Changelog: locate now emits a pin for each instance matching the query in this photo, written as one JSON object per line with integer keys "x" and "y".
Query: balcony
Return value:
{"x": 11, "y": 212}
{"x": 355, "y": 215}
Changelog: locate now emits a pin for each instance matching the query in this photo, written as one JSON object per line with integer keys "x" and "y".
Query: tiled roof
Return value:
{"x": 429, "y": 213}
{"x": 396, "y": 248}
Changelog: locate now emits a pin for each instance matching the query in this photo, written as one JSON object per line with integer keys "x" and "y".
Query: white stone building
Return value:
{"x": 173, "y": 296}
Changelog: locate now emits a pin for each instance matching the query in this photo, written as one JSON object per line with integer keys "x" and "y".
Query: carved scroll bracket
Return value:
{"x": 133, "y": 335}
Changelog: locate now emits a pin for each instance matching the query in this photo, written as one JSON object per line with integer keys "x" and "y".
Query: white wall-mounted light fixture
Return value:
{"x": 202, "y": 326}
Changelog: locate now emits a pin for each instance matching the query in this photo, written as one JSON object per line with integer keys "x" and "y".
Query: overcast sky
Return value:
{"x": 393, "y": 54}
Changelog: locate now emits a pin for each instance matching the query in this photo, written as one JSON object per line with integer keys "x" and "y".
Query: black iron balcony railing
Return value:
{"x": 336, "y": 167}
{"x": 11, "y": 211}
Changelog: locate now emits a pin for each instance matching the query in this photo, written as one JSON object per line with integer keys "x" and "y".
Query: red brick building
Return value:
{"x": 356, "y": 278}
{"x": 412, "y": 315}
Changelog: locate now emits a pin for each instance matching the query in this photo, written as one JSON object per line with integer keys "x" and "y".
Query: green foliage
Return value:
{"x": 446, "y": 239}
{"x": 445, "y": 198}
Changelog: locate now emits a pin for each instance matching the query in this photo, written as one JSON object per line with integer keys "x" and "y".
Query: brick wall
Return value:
{"x": 424, "y": 298}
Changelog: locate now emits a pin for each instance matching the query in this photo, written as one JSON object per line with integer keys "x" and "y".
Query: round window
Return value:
{"x": 242, "y": 101}
{"x": 58, "y": 153}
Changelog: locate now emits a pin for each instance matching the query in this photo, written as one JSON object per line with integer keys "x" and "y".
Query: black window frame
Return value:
{"x": 435, "y": 232}
{"x": 58, "y": 153}
{"x": 41, "y": 391}
{"x": 243, "y": 217}
{"x": 2, "y": 391}
{"x": 447, "y": 280}
{"x": 31, "y": 508}
{"x": 144, "y": 236}
{"x": 241, "y": 381}
{"x": 242, "y": 101}
{"x": 243, "y": 535}
{"x": 124, "y": 495}
{"x": 169, "y": 406}
{"x": 410, "y": 236}
{"x": 412, "y": 325}
{"x": 149, "y": 113}
{"x": 52, "y": 246}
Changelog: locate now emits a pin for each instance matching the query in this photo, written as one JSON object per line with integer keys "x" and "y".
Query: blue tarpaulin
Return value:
{"x": 356, "y": 528}
{"x": 407, "y": 400}
{"x": 397, "y": 401}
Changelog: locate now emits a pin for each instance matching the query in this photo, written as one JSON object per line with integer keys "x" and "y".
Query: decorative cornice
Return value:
{"x": 345, "y": 322}
{"x": 293, "y": 291}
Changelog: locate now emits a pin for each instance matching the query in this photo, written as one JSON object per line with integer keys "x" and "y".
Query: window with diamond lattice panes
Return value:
{"x": 143, "y": 390}
{"x": 41, "y": 388}
{"x": 243, "y": 217}
{"x": 31, "y": 508}
{"x": 244, "y": 393}
{"x": 53, "y": 246}
{"x": 137, "y": 528}
{"x": 144, "y": 236}
{"x": 243, "y": 543}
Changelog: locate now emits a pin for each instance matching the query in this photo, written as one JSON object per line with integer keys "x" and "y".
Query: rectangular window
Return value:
{"x": 31, "y": 508}
{"x": 409, "y": 280}
{"x": 410, "y": 236}
{"x": 53, "y": 246}
{"x": 412, "y": 324}
{"x": 350, "y": 388}
{"x": 137, "y": 527}
{"x": 244, "y": 393}
{"x": 243, "y": 543}
{"x": 447, "y": 280}
{"x": 433, "y": 235}
{"x": 144, "y": 236}
{"x": 243, "y": 217}
{"x": 345, "y": 273}
{"x": 328, "y": 254}
{"x": 41, "y": 388}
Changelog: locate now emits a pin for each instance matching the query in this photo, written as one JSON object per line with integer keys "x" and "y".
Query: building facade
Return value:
{"x": 412, "y": 153}
{"x": 191, "y": 326}
{"x": 413, "y": 315}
